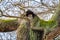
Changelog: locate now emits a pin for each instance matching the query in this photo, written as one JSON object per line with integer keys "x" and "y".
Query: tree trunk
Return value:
{"x": 23, "y": 30}
{"x": 36, "y": 33}
{"x": 53, "y": 34}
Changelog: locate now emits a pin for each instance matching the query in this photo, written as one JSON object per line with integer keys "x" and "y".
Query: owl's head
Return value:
{"x": 29, "y": 13}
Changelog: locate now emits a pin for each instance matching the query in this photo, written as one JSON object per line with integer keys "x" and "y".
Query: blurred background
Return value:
{"x": 43, "y": 8}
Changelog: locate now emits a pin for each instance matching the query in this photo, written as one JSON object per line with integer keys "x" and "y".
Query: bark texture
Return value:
{"x": 23, "y": 30}
{"x": 53, "y": 34}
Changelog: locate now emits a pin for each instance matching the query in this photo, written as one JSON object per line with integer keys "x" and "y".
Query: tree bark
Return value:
{"x": 23, "y": 30}
{"x": 53, "y": 34}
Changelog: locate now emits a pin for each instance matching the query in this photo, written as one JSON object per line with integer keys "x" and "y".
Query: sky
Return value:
{"x": 7, "y": 7}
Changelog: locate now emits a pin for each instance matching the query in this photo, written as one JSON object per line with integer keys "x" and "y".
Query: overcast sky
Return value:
{"x": 14, "y": 10}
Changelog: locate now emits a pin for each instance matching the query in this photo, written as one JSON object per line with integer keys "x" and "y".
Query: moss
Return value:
{"x": 1, "y": 20}
{"x": 6, "y": 25}
{"x": 49, "y": 23}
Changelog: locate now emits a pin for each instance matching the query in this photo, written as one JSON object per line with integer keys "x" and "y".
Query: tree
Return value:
{"x": 23, "y": 7}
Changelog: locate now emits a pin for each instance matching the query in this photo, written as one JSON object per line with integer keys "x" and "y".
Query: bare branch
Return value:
{"x": 16, "y": 17}
{"x": 1, "y": 13}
